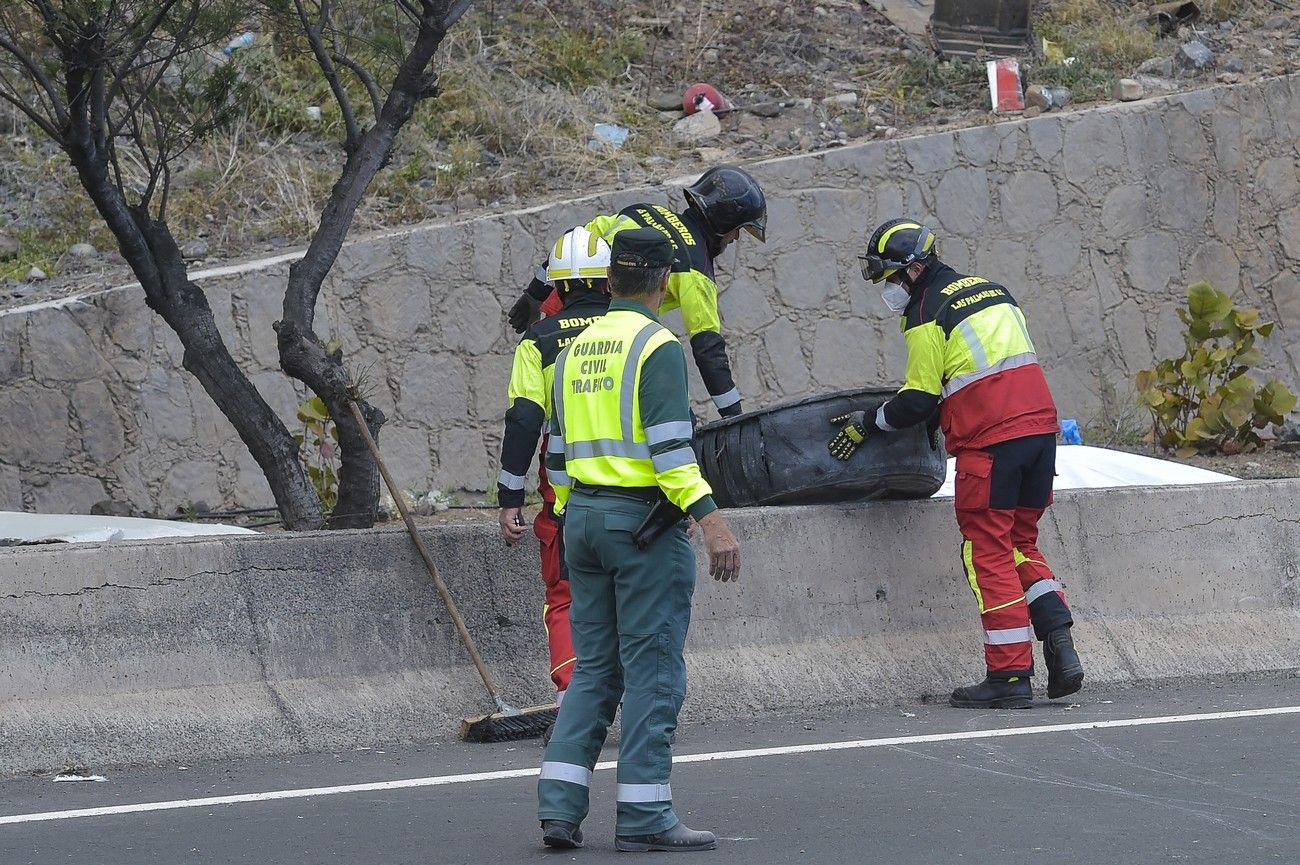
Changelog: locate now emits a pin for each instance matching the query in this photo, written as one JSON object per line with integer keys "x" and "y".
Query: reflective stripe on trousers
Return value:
{"x": 645, "y": 792}
{"x": 556, "y": 771}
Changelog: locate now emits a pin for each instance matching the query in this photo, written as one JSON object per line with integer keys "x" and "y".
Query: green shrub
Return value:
{"x": 1204, "y": 401}
{"x": 319, "y": 440}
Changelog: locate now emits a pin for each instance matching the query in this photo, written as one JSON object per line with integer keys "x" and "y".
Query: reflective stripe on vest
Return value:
{"x": 1013, "y": 362}
{"x": 983, "y": 367}
{"x": 625, "y": 447}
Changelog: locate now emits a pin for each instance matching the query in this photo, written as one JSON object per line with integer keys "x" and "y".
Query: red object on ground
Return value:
{"x": 1004, "y": 85}
{"x": 704, "y": 97}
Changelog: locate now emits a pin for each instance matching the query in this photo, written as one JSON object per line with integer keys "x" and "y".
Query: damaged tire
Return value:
{"x": 778, "y": 456}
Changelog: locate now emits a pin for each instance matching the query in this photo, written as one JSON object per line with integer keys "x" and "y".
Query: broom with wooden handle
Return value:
{"x": 506, "y": 723}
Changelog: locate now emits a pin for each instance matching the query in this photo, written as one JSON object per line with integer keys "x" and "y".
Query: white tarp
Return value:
{"x": 1080, "y": 467}
{"x": 38, "y": 528}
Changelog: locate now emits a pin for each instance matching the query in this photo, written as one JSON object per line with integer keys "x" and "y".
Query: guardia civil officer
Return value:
{"x": 969, "y": 356}
{"x": 576, "y": 268}
{"x": 620, "y": 443}
{"x": 724, "y": 201}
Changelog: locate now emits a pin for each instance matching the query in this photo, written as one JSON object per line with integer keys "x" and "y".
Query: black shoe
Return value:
{"x": 561, "y": 834}
{"x": 1064, "y": 669}
{"x": 547, "y": 733}
{"x": 1013, "y": 693}
{"x": 678, "y": 839}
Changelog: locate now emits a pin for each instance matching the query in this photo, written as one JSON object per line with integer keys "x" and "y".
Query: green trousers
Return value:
{"x": 629, "y": 617}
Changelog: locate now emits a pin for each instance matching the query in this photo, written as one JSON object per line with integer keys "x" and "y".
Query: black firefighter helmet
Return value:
{"x": 728, "y": 197}
{"x": 894, "y": 246}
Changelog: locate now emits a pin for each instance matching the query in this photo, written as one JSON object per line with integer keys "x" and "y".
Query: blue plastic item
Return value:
{"x": 607, "y": 135}
{"x": 1070, "y": 432}
{"x": 243, "y": 40}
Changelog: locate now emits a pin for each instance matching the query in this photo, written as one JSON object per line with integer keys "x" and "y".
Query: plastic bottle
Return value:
{"x": 607, "y": 135}
{"x": 243, "y": 40}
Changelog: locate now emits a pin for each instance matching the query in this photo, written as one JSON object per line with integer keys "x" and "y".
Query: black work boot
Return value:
{"x": 1013, "y": 693}
{"x": 1064, "y": 669}
{"x": 678, "y": 839}
{"x": 561, "y": 834}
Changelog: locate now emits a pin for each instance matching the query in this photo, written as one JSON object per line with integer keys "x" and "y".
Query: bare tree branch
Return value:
{"x": 313, "y": 33}
{"x": 160, "y": 146}
{"x": 166, "y": 189}
{"x": 372, "y": 86}
{"x": 89, "y": 38}
{"x": 115, "y": 161}
{"x": 178, "y": 47}
{"x": 145, "y": 35}
{"x": 410, "y": 9}
{"x": 44, "y": 7}
{"x": 458, "y": 8}
{"x": 302, "y": 353}
{"x": 98, "y": 107}
{"x": 33, "y": 115}
{"x": 39, "y": 76}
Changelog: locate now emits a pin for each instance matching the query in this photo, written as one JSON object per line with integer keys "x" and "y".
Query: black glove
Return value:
{"x": 854, "y": 432}
{"x": 524, "y": 312}
{"x": 529, "y": 304}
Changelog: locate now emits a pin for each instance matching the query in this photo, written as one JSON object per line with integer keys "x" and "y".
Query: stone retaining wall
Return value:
{"x": 1097, "y": 220}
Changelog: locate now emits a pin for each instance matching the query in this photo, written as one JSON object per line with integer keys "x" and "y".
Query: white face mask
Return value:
{"x": 895, "y": 296}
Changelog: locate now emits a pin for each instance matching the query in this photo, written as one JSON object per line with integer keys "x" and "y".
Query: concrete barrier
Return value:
{"x": 144, "y": 652}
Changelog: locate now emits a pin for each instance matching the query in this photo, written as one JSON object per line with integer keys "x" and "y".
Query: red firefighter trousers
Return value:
{"x": 555, "y": 613}
{"x": 1000, "y": 494}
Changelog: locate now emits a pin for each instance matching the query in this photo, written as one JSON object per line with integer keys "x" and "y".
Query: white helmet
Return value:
{"x": 578, "y": 254}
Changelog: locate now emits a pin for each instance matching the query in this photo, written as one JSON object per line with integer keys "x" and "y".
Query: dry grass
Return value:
{"x": 1102, "y": 33}
{"x": 521, "y": 86}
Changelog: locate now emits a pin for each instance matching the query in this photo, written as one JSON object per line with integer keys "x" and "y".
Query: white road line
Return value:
{"x": 443, "y": 780}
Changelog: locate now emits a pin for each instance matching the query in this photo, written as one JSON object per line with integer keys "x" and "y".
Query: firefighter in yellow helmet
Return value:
{"x": 724, "y": 201}
{"x": 577, "y": 268}
{"x": 969, "y": 357}
{"x": 620, "y": 458}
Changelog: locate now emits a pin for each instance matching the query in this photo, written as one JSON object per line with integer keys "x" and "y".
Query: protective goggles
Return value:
{"x": 876, "y": 267}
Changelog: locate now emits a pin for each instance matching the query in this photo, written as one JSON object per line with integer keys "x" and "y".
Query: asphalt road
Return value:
{"x": 1205, "y": 772}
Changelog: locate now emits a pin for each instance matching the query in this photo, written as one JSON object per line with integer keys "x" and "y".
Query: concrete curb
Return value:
{"x": 160, "y": 652}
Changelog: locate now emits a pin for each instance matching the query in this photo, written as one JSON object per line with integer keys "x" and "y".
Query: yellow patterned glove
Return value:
{"x": 853, "y": 433}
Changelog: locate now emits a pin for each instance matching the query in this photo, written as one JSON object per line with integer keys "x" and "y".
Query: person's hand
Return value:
{"x": 524, "y": 312}
{"x": 724, "y": 551}
{"x": 512, "y": 525}
{"x": 932, "y": 431}
{"x": 853, "y": 432}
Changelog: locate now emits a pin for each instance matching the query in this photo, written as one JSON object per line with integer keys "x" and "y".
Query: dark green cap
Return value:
{"x": 641, "y": 247}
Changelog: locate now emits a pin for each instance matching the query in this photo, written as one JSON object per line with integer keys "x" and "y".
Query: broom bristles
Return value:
{"x": 529, "y": 723}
